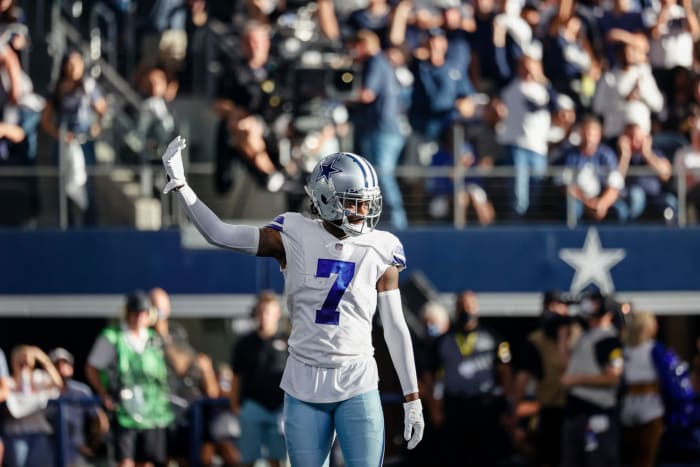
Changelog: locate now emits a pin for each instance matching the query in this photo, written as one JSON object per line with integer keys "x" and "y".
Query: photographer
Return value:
{"x": 544, "y": 358}
{"x": 127, "y": 369}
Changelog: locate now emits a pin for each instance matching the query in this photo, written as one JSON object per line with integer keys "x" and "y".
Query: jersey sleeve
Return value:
{"x": 287, "y": 223}
{"x": 278, "y": 222}
{"x": 397, "y": 255}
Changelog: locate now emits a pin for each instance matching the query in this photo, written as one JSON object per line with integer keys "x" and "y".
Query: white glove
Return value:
{"x": 413, "y": 422}
{"x": 172, "y": 160}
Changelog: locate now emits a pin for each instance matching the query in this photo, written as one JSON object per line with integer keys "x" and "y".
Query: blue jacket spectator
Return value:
{"x": 376, "y": 18}
{"x": 441, "y": 91}
{"x": 597, "y": 181}
{"x": 377, "y": 123}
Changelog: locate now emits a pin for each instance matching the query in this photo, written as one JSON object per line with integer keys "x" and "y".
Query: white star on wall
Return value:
{"x": 592, "y": 263}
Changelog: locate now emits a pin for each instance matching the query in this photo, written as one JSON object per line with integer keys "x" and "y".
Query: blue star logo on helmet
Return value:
{"x": 327, "y": 169}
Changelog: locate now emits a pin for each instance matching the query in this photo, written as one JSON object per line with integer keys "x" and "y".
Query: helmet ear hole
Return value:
{"x": 324, "y": 199}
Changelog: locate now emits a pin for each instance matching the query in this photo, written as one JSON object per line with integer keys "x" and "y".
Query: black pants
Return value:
{"x": 590, "y": 440}
{"x": 548, "y": 436}
{"x": 473, "y": 433}
{"x": 141, "y": 445}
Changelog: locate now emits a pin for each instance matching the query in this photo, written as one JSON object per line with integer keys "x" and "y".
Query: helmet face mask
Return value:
{"x": 344, "y": 190}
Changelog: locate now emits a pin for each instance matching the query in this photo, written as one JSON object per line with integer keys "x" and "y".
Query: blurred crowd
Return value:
{"x": 151, "y": 397}
{"x": 589, "y": 383}
{"x": 523, "y": 110}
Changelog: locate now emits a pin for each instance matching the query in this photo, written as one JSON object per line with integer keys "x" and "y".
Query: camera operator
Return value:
{"x": 592, "y": 378}
{"x": 544, "y": 358}
{"x": 249, "y": 102}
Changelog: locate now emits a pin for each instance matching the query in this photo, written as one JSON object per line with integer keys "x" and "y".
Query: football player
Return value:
{"x": 338, "y": 269}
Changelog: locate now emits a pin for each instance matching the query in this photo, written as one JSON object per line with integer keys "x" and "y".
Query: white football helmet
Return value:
{"x": 341, "y": 187}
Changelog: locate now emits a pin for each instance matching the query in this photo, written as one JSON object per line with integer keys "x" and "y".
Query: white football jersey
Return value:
{"x": 330, "y": 285}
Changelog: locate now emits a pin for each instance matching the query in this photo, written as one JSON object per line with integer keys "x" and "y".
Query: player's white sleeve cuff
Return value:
{"x": 188, "y": 195}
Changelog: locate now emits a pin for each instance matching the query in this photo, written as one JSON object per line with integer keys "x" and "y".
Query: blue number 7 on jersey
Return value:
{"x": 328, "y": 314}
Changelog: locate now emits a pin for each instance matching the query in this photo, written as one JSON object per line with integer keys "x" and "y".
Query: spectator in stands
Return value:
{"x": 642, "y": 406}
{"x": 156, "y": 123}
{"x": 674, "y": 29}
{"x": 458, "y": 24}
{"x": 529, "y": 101}
{"x": 258, "y": 362}
{"x": 621, "y": 25}
{"x": 441, "y": 92}
{"x": 687, "y": 163}
{"x": 568, "y": 59}
{"x": 680, "y": 106}
{"x": 77, "y": 409}
{"x": 471, "y": 194}
{"x": 627, "y": 88}
{"x": 190, "y": 376}
{"x": 377, "y": 121}
{"x": 249, "y": 101}
{"x": 4, "y": 391}
{"x": 20, "y": 193}
{"x": 163, "y": 38}
{"x": 515, "y": 34}
{"x": 597, "y": 182}
{"x": 642, "y": 191}
{"x": 562, "y": 131}
{"x": 481, "y": 131}
{"x": 376, "y": 17}
{"x": 20, "y": 108}
{"x": 411, "y": 21}
{"x": 12, "y": 23}
{"x": 26, "y": 430}
{"x": 472, "y": 365}
{"x": 127, "y": 369}
{"x": 13, "y": 38}
{"x": 590, "y": 433}
{"x": 543, "y": 360}
{"x": 486, "y": 70}
{"x": 72, "y": 118}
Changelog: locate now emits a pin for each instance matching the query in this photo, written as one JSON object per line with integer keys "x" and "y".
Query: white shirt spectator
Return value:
{"x": 675, "y": 45}
{"x": 611, "y": 100}
{"x": 528, "y": 122}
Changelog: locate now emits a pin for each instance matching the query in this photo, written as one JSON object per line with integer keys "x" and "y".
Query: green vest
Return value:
{"x": 143, "y": 397}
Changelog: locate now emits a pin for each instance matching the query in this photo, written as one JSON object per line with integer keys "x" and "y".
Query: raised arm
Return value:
{"x": 398, "y": 341}
{"x": 241, "y": 238}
